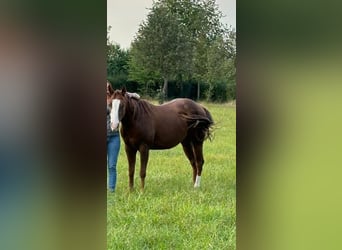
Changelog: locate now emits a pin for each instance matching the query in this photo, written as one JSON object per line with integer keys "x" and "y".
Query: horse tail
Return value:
{"x": 210, "y": 118}
{"x": 209, "y": 129}
{"x": 202, "y": 125}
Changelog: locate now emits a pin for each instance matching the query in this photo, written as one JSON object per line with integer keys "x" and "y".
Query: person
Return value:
{"x": 113, "y": 141}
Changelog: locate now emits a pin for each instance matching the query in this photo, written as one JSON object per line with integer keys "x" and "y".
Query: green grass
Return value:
{"x": 170, "y": 213}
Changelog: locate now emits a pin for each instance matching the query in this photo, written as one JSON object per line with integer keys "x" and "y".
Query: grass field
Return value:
{"x": 170, "y": 213}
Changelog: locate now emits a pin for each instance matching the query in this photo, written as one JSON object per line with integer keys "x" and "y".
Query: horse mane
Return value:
{"x": 138, "y": 106}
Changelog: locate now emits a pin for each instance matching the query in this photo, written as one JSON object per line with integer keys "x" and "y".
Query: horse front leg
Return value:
{"x": 189, "y": 152}
{"x": 144, "y": 153}
{"x": 131, "y": 156}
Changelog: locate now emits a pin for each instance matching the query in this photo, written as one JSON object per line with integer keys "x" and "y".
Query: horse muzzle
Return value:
{"x": 114, "y": 126}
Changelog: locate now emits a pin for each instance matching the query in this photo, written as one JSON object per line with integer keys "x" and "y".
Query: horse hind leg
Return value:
{"x": 189, "y": 152}
{"x": 198, "y": 152}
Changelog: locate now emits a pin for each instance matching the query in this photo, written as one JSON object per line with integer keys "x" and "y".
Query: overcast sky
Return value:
{"x": 125, "y": 16}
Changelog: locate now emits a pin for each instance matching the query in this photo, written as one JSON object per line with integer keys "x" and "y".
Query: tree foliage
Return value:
{"x": 181, "y": 42}
{"x": 162, "y": 44}
{"x": 117, "y": 63}
{"x": 220, "y": 72}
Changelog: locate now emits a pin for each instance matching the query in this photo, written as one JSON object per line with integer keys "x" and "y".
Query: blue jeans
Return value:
{"x": 113, "y": 148}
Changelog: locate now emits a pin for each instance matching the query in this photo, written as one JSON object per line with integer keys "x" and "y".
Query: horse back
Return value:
{"x": 187, "y": 107}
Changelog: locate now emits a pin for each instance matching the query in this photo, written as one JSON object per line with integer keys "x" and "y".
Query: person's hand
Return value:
{"x": 134, "y": 95}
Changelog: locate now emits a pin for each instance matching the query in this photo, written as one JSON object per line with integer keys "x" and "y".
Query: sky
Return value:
{"x": 125, "y": 16}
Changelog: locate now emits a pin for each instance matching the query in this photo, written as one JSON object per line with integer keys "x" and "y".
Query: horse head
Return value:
{"x": 118, "y": 107}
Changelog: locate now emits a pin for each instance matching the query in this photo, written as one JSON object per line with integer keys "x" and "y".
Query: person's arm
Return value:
{"x": 133, "y": 95}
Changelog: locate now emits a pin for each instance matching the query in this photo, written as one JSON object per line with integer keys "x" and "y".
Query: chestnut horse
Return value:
{"x": 145, "y": 126}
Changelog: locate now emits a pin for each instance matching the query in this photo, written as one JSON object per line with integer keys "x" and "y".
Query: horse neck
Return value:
{"x": 129, "y": 111}
{"x": 134, "y": 110}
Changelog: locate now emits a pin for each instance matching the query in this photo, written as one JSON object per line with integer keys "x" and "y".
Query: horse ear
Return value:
{"x": 123, "y": 90}
{"x": 110, "y": 90}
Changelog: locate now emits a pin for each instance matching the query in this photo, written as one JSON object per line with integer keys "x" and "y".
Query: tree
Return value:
{"x": 220, "y": 74}
{"x": 140, "y": 74}
{"x": 162, "y": 45}
{"x": 180, "y": 39}
{"x": 117, "y": 63}
{"x": 205, "y": 27}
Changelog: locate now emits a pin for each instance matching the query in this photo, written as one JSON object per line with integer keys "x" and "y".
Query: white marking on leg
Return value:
{"x": 198, "y": 181}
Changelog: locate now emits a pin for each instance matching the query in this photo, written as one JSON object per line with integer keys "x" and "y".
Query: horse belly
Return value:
{"x": 161, "y": 145}
{"x": 169, "y": 138}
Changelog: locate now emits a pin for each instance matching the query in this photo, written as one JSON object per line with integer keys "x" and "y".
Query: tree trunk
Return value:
{"x": 181, "y": 89}
{"x": 198, "y": 91}
{"x": 165, "y": 89}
